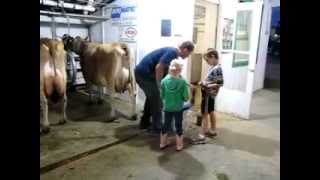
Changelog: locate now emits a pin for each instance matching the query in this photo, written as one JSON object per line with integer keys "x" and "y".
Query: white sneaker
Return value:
{"x": 201, "y": 137}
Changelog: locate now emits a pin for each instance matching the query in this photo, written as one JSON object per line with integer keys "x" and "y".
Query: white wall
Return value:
{"x": 150, "y": 14}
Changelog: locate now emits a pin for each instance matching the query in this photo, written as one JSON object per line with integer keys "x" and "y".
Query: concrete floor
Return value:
{"x": 244, "y": 150}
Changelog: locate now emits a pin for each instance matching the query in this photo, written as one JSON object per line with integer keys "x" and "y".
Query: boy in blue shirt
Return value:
{"x": 209, "y": 89}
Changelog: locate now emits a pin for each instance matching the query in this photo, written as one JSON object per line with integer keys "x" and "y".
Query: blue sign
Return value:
{"x": 116, "y": 12}
{"x": 127, "y": 9}
{"x": 166, "y": 27}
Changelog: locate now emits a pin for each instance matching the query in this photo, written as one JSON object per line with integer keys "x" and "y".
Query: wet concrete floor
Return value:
{"x": 243, "y": 150}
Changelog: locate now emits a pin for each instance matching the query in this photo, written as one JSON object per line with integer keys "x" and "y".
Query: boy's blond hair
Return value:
{"x": 175, "y": 65}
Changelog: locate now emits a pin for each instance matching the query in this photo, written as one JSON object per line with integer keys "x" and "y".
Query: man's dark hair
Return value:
{"x": 187, "y": 44}
{"x": 211, "y": 53}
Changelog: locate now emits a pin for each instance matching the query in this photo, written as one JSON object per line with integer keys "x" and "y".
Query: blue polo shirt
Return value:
{"x": 163, "y": 55}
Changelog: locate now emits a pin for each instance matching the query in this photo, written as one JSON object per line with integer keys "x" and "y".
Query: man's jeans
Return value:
{"x": 153, "y": 103}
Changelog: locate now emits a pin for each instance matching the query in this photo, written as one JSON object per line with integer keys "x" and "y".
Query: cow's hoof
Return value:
{"x": 100, "y": 101}
{"x": 62, "y": 121}
{"x": 134, "y": 117}
{"x": 45, "y": 130}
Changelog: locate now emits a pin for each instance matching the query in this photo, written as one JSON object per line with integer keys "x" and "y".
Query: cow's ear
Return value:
{"x": 87, "y": 38}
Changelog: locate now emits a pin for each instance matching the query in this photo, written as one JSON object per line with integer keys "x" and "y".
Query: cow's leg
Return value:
{"x": 112, "y": 116}
{"x": 133, "y": 112}
{"x": 91, "y": 93}
{"x": 44, "y": 122}
{"x": 63, "y": 119}
{"x": 100, "y": 95}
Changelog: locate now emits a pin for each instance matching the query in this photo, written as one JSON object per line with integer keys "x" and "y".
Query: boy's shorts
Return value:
{"x": 207, "y": 103}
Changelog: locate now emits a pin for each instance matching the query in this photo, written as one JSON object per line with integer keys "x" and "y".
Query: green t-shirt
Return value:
{"x": 174, "y": 91}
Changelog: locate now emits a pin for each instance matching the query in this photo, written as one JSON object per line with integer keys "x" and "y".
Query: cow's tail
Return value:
{"x": 52, "y": 51}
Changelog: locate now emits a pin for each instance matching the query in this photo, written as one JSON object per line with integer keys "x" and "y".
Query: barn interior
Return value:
{"x": 88, "y": 129}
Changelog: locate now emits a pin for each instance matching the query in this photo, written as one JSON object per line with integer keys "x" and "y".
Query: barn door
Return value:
{"x": 239, "y": 46}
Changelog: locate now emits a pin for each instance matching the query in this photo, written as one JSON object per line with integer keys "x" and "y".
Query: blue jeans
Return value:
{"x": 178, "y": 117}
{"x": 153, "y": 103}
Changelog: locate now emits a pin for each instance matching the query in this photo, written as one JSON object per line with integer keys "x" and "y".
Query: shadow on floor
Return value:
{"x": 255, "y": 116}
{"x": 249, "y": 143}
{"x": 79, "y": 109}
{"x": 183, "y": 165}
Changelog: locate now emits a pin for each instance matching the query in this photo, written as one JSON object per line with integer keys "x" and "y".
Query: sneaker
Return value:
{"x": 200, "y": 139}
{"x": 211, "y": 133}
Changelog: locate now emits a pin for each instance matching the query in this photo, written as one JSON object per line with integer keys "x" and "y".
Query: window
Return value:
{"x": 242, "y": 38}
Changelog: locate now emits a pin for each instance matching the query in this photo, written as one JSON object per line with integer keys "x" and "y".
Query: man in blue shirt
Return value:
{"x": 149, "y": 72}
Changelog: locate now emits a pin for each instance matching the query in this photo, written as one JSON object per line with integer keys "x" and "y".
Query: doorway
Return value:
{"x": 272, "y": 70}
{"x": 204, "y": 36}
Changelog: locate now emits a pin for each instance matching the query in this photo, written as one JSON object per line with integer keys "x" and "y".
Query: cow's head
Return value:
{"x": 74, "y": 44}
{"x": 67, "y": 41}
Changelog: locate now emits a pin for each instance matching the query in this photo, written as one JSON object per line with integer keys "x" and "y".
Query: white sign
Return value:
{"x": 128, "y": 33}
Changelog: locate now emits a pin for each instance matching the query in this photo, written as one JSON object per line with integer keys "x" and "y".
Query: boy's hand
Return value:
{"x": 203, "y": 83}
{"x": 214, "y": 86}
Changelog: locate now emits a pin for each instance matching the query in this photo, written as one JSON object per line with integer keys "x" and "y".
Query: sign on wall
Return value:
{"x": 125, "y": 18}
{"x": 125, "y": 15}
{"x": 166, "y": 27}
{"x": 128, "y": 33}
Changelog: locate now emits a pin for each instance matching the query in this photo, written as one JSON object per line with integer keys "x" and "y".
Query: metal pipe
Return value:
{"x": 90, "y": 3}
{"x": 95, "y": 3}
{"x": 53, "y": 28}
{"x": 80, "y": 16}
{"x": 67, "y": 5}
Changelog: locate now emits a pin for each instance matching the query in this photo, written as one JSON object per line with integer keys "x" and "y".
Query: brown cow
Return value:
{"x": 52, "y": 79}
{"x": 107, "y": 65}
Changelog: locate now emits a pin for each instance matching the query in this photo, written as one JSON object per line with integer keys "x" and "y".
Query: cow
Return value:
{"x": 106, "y": 65}
{"x": 53, "y": 80}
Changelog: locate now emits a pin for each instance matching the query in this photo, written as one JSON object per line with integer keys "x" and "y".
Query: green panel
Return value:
{"x": 240, "y": 63}
{"x": 240, "y": 60}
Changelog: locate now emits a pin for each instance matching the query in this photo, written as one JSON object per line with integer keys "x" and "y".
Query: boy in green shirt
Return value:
{"x": 174, "y": 91}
